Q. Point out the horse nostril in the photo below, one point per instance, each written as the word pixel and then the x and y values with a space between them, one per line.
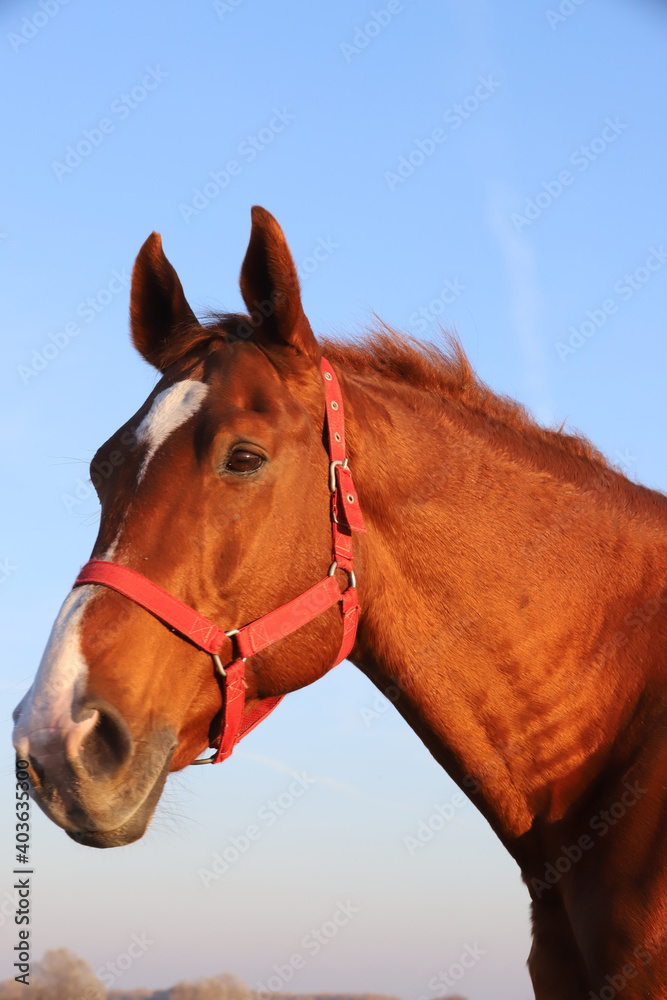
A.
pixel 108 745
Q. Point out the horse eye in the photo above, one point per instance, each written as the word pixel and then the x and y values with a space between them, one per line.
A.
pixel 244 461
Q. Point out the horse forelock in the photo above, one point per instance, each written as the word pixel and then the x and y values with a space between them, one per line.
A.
pixel 194 339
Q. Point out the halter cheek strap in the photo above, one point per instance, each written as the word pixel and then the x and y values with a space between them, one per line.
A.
pixel 346 517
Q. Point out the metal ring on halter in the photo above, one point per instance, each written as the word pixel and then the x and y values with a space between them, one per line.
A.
pixel 351 578
pixel 332 473
pixel 218 664
pixel 216 659
pixel 223 673
pixel 232 632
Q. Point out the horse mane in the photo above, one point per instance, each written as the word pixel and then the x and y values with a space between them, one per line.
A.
pixel 448 375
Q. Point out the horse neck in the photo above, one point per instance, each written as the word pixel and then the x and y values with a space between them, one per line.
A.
pixel 493 579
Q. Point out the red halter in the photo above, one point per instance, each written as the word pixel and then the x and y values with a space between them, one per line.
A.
pixel 345 518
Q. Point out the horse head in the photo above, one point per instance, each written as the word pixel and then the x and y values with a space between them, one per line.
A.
pixel 217 491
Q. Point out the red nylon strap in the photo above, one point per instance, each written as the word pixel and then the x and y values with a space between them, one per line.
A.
pixel 350 618
pixel 346 502
pixel 203 633
pixel 276 625
pixel 159 602
pixel 289 617
pixel 234 705
pixel 209 637
pixel 237 724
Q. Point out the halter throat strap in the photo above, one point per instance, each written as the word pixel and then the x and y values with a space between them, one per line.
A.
pixel 257 635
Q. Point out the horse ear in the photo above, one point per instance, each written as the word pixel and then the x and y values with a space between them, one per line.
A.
pixel 270 287
pixel 159 312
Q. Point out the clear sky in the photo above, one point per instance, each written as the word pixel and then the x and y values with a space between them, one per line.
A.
pixel 500 168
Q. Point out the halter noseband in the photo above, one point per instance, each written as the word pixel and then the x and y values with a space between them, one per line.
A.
pixel 257 635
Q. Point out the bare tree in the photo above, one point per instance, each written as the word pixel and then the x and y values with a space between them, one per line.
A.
pixel 59 976
pixel 63 976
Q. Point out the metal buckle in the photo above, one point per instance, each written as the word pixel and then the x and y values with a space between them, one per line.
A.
pixel 332 472
pixel 351 578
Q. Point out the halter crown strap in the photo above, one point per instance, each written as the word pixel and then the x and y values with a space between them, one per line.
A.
pixel 346 517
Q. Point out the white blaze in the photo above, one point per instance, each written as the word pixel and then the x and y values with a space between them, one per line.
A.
pixel 169 410
pixel 46 710
pixel 45 714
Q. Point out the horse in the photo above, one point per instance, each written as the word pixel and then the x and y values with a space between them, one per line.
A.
pixel 509 586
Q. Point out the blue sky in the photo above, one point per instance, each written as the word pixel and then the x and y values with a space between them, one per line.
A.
pixel 499 170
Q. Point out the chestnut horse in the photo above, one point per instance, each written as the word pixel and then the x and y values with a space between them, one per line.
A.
pixel 512 590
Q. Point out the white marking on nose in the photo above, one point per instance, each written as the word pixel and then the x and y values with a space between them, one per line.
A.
pixel 45 718
pixel 169 410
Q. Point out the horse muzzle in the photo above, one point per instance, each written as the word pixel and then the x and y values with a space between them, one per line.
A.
pixel 91 776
